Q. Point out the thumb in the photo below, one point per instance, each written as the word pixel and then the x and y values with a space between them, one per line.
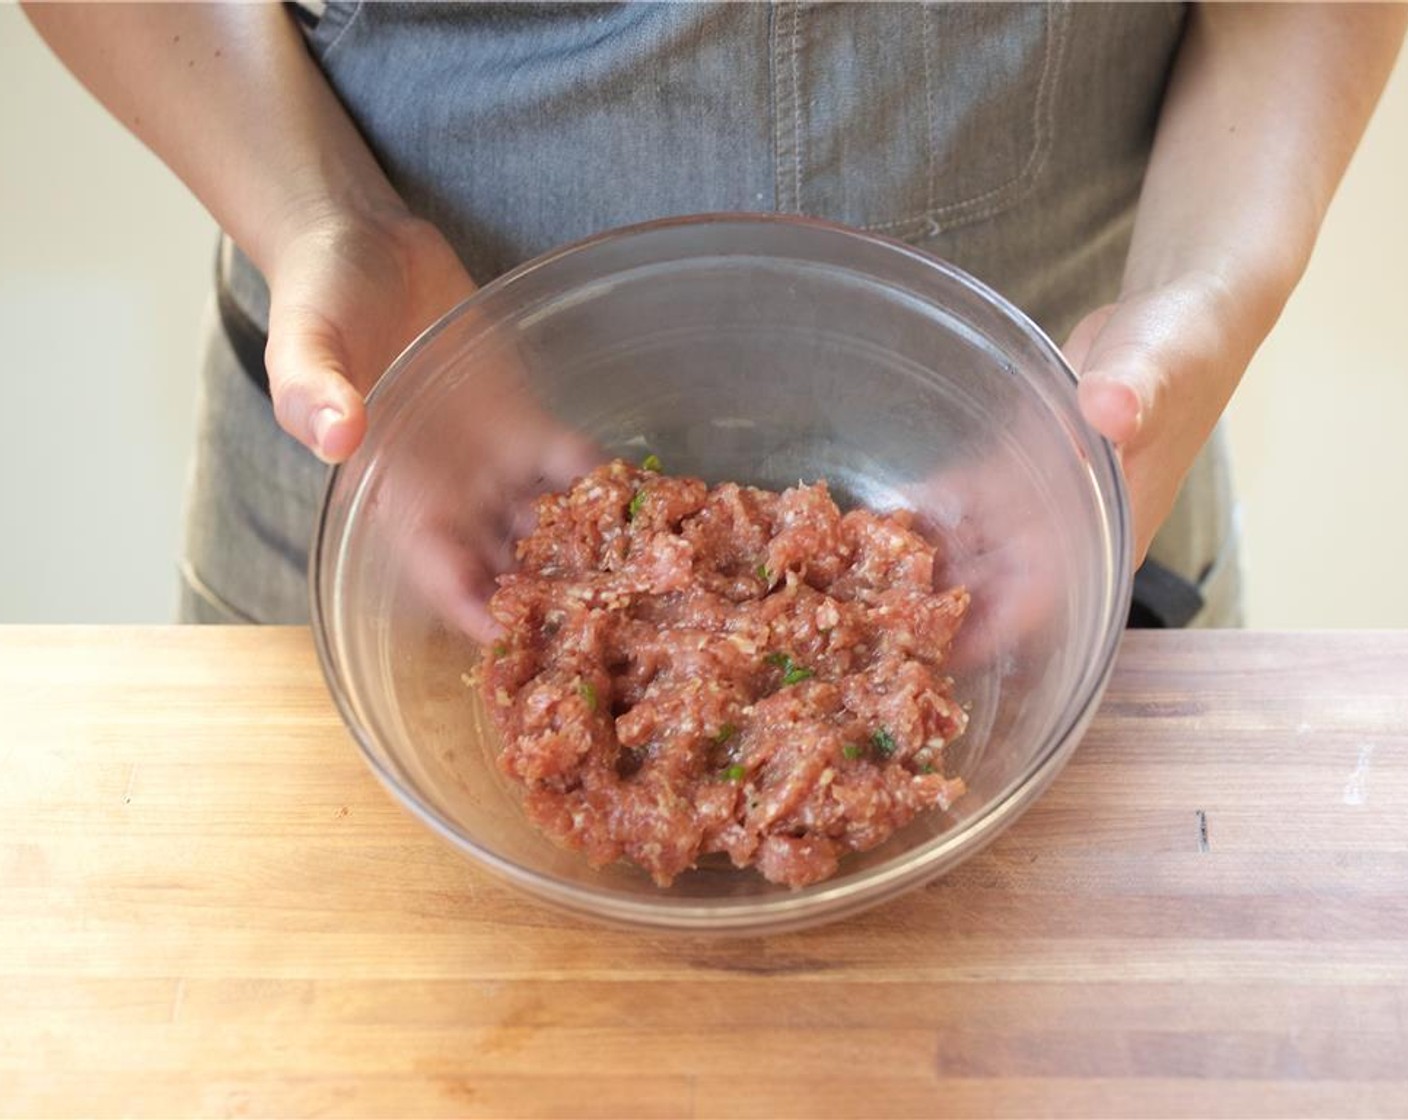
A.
pixel 1119 375
pixel 314 401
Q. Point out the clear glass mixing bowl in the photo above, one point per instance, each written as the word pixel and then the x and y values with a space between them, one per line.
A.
pixel 765 350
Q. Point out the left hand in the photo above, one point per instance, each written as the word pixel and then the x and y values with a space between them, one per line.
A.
pixel 1157 368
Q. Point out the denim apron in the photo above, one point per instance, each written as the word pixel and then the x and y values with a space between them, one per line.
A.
pixel 1008 139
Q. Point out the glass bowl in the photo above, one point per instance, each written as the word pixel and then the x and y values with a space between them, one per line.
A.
pixel 759 349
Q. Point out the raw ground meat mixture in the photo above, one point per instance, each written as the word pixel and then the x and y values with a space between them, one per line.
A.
pixel 691 670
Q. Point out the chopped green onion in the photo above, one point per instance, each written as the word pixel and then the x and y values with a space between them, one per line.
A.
pixel 796 674
pixel 588 693
pixel 927 768
pixel 735 773
pixel 792 672
pixel 884 742
pixel 763 573
pixel 851 751
pixel 651 463
pixel 726 732
pixel 636 503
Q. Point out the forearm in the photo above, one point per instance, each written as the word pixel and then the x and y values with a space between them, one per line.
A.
pixel 228 97
pixel 1266 105
pixel 1264 109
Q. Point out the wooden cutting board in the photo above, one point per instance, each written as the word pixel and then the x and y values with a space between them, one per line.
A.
pixel 208 907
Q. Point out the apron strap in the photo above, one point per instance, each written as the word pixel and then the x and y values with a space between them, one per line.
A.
pixel 1163 599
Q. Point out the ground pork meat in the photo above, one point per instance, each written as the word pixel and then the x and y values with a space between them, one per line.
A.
pixel 690 671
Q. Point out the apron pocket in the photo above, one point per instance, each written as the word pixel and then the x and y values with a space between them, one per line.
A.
pixel 911 119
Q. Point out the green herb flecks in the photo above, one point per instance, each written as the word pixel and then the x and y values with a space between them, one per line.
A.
pixel 651 463
pixel 852 751
pixel 792 672
pixel 636 503
pixel 499 649
pixel 764 573
pixel 587 691
pixel 884 743
pixel 726 732
pixel 735 773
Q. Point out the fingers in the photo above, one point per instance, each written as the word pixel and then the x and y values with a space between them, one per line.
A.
pixel 1111 406
pixel 1155 375
pixel 456 558
pixel 313 399
pixel 455 584
pixel 567 456
pixel 1078 345
pixel 1120 373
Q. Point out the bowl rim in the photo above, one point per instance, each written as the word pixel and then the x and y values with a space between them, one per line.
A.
pixel 830 899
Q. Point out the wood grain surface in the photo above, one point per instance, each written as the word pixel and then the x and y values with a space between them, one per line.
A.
pixel 208 907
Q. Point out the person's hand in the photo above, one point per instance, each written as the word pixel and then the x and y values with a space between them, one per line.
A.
pixel 462 490
pixel 346 295
pixel 1157 368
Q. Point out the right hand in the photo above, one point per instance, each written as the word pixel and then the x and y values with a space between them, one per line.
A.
pixel 229 97
pixel 346 295
pixel 461 491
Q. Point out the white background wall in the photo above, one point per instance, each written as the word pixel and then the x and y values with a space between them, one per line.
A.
pixel 105 263
pixel 1320 423
pixel 104 270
